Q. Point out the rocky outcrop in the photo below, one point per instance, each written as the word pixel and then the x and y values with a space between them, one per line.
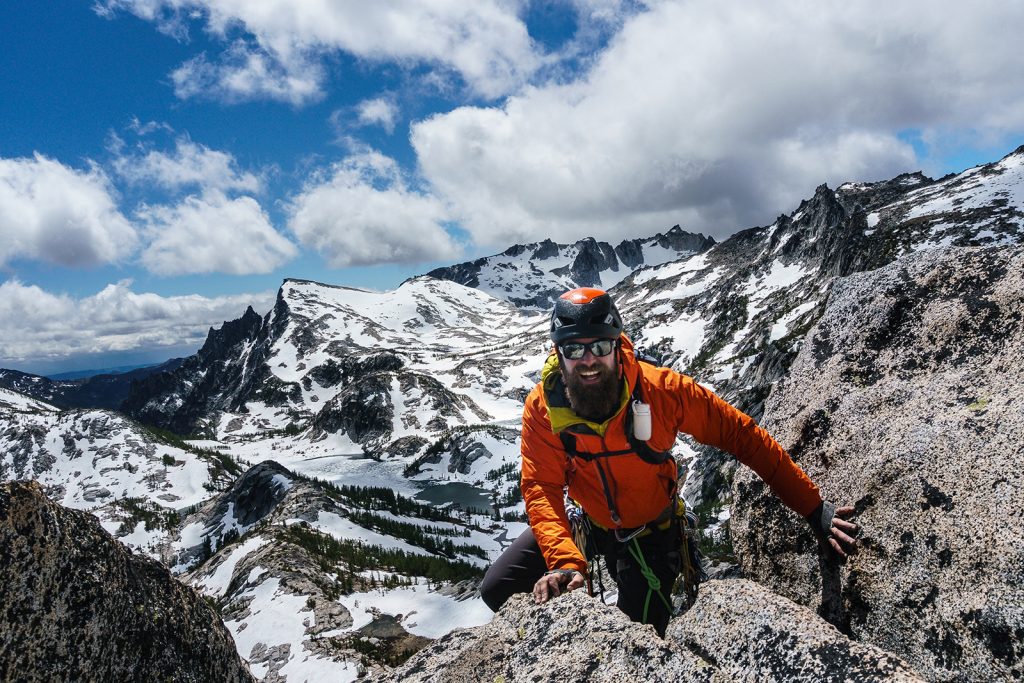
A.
pixel 77 605
pixel 572 638
pixel 905 401
pixel 736 631
pixel 254 495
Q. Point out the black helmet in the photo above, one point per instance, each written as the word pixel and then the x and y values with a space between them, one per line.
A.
pixel 585 312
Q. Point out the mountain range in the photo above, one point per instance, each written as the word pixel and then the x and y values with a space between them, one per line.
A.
pixel 335 475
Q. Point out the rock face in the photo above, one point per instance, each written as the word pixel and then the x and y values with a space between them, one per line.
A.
pixel 67 587
pixel 736 631
pixel 906 401
pixel 752 634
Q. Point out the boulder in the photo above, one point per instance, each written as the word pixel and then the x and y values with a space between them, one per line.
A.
pixel 79 606
pixel 906 400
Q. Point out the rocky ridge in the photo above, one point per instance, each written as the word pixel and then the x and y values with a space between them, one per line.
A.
pixel 736 631
pixel 216 378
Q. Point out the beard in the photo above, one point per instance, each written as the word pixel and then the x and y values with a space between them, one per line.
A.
pixel 594 402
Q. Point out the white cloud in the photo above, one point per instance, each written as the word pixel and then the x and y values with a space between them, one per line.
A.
pixel 363 213
pixel 40 325
pixel 719 116
pixel 190 164
pixel 150 127
pixel 50 212
pixel 380 111
pixel 484 41
pixel 247 73
pixel 212 234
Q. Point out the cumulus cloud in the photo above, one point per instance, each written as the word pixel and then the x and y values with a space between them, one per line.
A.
pixel 212 234
pixel 190 165
pixel 41 325
pixel 484 41
pixel 720 116
pixel 378 111
pixel 362 212
pixel 61 215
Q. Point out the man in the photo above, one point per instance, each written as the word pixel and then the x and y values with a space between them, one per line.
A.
pixel 580 433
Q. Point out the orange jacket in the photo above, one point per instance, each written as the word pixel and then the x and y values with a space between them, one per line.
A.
pixel 640 490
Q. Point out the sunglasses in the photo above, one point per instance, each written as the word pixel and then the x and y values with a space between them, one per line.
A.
pixel 576 350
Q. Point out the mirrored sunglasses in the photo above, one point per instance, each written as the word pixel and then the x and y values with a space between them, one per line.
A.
pixel 576 350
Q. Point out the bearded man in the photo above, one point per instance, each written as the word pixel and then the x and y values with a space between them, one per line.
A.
pixel 585 431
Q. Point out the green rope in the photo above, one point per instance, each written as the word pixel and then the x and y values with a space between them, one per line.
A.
pixel 653 582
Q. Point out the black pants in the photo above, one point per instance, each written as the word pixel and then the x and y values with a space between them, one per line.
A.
pixel 518 568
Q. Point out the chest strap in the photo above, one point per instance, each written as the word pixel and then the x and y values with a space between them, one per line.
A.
pixel 636 446
pixel 645 452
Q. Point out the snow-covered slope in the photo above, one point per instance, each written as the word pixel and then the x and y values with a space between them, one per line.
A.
pixel 12 402
pixel 305 573
pixel 99 461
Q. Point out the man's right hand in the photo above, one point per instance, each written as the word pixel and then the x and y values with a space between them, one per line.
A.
pixel 553 584
pixel 833 530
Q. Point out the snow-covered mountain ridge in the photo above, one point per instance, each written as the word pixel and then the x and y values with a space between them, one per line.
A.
pixel 533 275
pixel 94 391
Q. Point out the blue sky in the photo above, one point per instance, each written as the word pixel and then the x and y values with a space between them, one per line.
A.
pixel 164 163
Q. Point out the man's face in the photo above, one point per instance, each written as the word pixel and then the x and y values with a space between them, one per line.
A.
pixel 592 383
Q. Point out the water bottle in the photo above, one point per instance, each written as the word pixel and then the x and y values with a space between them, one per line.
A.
pixel 641 421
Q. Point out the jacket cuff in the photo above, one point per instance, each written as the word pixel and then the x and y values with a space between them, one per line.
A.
pixel 820 519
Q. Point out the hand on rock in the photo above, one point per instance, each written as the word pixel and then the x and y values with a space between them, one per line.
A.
pixel 832 528
pixel 553 584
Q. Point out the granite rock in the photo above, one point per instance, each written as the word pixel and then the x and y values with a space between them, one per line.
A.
pixel 906 401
